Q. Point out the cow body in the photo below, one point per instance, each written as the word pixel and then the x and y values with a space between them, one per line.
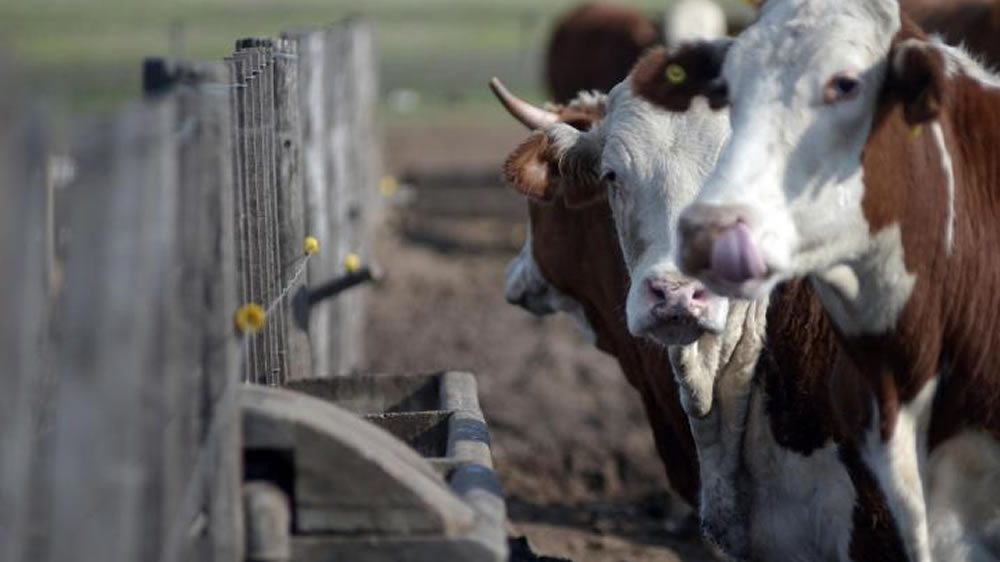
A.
pixel 593 47
pixel 864 157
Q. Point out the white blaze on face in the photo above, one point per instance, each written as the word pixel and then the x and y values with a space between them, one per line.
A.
pixel 803 83
pixel 653 163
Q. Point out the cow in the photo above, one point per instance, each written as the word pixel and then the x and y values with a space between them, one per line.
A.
pixel 752 375
pixel 594 46
pixel 863 157
pixel 563 267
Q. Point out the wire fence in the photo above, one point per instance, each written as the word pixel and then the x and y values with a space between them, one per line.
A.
pixel 148 267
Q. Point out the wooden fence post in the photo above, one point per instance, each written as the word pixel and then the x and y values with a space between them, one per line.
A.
pixel 338 92
pixel 290 187
pixel 107 460
pixel 24 339
pixel 312 75
pixel 203 444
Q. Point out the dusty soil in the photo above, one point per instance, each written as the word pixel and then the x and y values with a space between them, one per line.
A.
pixel 570 441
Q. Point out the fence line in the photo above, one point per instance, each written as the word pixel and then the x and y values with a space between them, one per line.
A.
pixel 119 420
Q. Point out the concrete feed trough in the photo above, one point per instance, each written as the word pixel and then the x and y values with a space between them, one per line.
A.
pixel 379 467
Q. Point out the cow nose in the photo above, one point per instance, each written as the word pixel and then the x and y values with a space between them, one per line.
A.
pixel 676 299
pixel 717 240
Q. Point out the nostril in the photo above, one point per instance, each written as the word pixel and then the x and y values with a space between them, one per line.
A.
pixel 700 295
pixel 656 291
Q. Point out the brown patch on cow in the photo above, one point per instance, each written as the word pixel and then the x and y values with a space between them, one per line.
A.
pixel 916 77
pixel 532 168
pixel 950 322
pixel 699 74
pixel 811 386
pixel 875 535
pixel 593 48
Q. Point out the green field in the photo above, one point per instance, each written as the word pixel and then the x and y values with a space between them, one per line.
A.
pixel 86 54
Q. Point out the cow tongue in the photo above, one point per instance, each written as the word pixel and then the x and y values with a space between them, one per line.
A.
pixel 735 257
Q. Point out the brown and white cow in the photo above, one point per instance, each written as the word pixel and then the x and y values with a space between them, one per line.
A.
pixel 776 485
pixel 865 156
pixel 571 263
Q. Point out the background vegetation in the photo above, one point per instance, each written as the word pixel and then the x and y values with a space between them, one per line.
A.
pixel 86 53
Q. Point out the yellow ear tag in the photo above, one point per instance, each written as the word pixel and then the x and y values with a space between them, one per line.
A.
pixel 250 318
pixel 915 132
pixel 311 246
pixel 352 263
pixel 676 73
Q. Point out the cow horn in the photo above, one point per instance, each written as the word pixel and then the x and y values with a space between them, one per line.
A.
pixel 532 117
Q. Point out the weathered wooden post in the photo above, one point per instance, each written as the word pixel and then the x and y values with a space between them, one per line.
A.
pixel 25 298
pixel 338 92
pixel 290 191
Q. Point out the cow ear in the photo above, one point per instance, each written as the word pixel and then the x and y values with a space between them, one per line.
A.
pixel 672 78
pixel 532 169
pixel 916 78
pixel 579 164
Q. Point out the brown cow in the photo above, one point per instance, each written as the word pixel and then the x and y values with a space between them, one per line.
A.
pixel 593 47
pixel 870 164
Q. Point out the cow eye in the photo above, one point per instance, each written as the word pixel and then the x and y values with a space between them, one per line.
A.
pixel 841 87
pixel 609 177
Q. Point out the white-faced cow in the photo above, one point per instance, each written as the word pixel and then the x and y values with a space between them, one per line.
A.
pixel 571 263
pixel 866 156
pixel 775 483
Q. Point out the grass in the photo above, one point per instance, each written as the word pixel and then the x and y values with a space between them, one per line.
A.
pixel 86 53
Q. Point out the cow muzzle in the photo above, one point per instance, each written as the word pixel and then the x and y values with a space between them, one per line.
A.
pixel 718 247
pixel 676 310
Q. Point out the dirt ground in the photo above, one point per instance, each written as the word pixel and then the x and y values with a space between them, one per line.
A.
pixel 570 441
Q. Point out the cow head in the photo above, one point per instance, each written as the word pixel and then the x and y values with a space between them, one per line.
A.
pixel 620 158
pixel 804 85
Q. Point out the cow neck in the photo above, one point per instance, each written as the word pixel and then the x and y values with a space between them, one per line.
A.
pixel 586 264
pixel 950 325
pixel 718 367
pixel 813 393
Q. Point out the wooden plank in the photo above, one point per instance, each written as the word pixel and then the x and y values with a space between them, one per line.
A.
pixel 107 455
pixel 337 89
pixel 290 193
pixel 202 460
pixel 220 362
pixel 353 173
pixel 312 72
pixel 24 293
